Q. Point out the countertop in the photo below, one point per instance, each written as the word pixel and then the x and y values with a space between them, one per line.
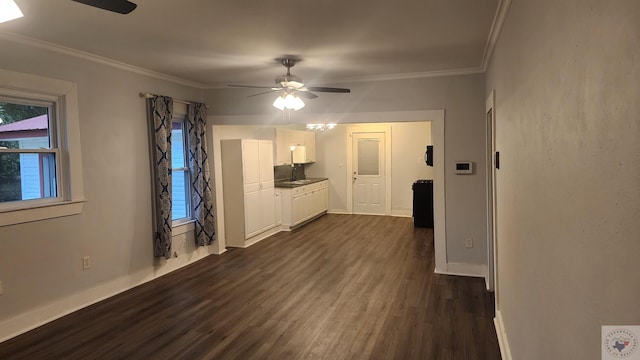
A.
pixel 297 183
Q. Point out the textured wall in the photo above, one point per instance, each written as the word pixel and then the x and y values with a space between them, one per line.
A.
pixel 566 77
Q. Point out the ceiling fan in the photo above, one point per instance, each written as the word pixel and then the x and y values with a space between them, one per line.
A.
pixel 118 6
pixel 292 85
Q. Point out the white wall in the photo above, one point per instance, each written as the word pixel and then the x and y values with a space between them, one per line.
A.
pixel 566 77
pixel 41 262
pixel 462 99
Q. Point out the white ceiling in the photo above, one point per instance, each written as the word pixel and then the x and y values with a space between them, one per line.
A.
pixel 215 42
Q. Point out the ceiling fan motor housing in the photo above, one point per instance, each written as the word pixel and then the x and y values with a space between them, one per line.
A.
pixel 287 78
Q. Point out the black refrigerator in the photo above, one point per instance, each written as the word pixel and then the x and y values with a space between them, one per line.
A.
pixel 423 203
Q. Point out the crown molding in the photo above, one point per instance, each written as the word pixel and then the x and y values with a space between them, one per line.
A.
pixel 95 58
pixel 494 34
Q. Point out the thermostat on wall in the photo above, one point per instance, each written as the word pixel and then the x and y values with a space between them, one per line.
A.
pixel 464 167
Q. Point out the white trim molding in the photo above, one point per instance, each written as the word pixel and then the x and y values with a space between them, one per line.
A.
pixel 95 58
pixel 463 269
pixel 503 342
pixel 494 33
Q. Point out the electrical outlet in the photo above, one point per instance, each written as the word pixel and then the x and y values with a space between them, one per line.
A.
pixel 86 263
pixel 468 242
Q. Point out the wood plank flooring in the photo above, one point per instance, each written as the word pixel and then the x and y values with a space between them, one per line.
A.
pixel 341 287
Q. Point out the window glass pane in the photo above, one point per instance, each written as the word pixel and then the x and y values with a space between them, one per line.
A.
pixel 177 145
pixel 368 157
pixel 27 176
pixel 24 126
pixel 180 194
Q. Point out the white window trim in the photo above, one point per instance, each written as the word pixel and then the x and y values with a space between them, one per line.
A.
pixel 66 94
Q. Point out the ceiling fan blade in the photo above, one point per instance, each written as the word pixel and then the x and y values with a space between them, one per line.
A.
pixel 255 87
pixel 118 6
pixel 328 89
pixel 306 94
pixel 262 93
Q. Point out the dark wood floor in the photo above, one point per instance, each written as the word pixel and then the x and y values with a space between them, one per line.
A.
pixel 341 287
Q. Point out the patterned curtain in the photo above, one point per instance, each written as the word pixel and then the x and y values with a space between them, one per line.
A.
pixel 201 198
pixel 161 109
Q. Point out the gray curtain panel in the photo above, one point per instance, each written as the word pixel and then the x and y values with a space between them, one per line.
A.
pixel 201 196
pixel 160 110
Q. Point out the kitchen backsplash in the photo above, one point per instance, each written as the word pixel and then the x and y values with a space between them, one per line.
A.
pixel 286 172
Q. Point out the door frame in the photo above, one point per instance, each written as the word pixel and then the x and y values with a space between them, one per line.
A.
pixel 217 131
pixel 492 238
pixel 363 129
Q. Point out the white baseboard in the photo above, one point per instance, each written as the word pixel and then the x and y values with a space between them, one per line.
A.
pixel 462 269
pixel 339 212
pixel 505 350
pixel 261 236
pixel 402 212
pixel 32 319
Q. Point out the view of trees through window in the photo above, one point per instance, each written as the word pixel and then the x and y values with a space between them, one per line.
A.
pixel 11 182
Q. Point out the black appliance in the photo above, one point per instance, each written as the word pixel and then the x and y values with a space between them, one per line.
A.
pixel 428 155
pixel 423 203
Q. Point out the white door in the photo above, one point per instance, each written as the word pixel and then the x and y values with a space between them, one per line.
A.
pixel 368 173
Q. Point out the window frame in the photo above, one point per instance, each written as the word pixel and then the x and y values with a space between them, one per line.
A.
pixel 183 170
pixel 66 134
pixel 52 135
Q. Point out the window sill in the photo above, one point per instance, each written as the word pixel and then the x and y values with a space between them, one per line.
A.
pixel 179 228
pixel 49 211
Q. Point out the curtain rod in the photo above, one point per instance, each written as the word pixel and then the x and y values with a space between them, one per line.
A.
pixel 149 96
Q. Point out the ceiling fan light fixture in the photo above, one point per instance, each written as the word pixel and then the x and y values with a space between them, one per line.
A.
pixel 288 101
pixel 279 103
pixel 321 126
pixel 9 10
pixel 297 103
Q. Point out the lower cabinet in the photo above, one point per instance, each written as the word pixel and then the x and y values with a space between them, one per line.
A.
pixel 303 203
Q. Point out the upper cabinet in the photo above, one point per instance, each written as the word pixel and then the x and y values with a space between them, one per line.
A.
pixel 310 144
pixel 283 139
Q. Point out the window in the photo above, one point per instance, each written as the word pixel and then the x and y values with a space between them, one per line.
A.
pixel 180 182
pixel 29 159
pixel 40 162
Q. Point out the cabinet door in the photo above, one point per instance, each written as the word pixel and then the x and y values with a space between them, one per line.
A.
pixel 298 212
pixel 278 208
pixel 251 164
pixel 265 160
pixel 296 137
pixel 253 222
pixel 282 148
pixel 310 145
pixel 267 209
pixel 325 199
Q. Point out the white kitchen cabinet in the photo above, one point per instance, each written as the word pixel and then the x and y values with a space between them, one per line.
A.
pixel 303 203
pixel 249 197
pixel 310 144
pixel 283 139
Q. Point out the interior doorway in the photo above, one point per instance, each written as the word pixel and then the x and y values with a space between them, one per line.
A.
pixel 368 159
